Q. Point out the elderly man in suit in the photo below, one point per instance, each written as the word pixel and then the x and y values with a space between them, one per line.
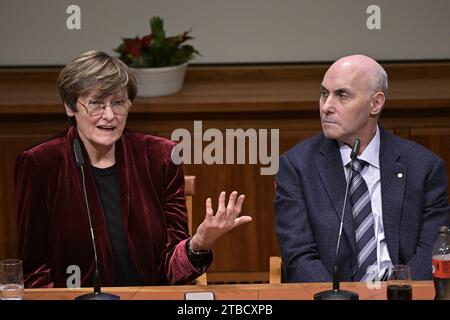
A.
pixel 397 195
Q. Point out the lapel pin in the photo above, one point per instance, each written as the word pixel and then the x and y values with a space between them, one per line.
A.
pixel 400 175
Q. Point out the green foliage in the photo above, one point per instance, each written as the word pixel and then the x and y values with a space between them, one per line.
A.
pixel 155 49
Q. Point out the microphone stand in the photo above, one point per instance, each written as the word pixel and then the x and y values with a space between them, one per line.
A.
pixel 336 293
pixel 97 294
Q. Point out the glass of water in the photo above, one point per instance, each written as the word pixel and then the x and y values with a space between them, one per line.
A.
pixel 11 279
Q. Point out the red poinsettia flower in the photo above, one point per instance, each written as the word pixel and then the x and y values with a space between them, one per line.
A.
pixel 133 47
pixel 146 40
pixel 155 49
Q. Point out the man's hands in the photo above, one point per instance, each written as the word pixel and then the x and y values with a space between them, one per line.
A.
pixel 216 225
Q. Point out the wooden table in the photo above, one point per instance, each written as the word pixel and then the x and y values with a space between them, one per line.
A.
pixel 422 290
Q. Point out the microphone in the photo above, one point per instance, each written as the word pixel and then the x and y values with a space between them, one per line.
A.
pixel 97 294
pixel 336 293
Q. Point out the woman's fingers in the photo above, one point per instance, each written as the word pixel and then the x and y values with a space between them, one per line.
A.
pixel 209 209
pixel 232 201
pixel 225 219
pixel 221 209
pixel 239 203
pixel 241 220
pixel 227 213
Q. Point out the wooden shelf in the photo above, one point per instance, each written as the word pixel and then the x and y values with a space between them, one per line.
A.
pixel 237 90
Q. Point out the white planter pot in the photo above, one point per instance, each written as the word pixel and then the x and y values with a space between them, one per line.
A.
pixel 155 82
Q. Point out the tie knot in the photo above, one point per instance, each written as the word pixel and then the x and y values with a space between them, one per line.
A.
pixel 358 165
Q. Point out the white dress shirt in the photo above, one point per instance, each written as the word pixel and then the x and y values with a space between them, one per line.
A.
pixel 371 175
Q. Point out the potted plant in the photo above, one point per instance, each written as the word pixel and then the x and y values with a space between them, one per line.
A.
pixel 158 62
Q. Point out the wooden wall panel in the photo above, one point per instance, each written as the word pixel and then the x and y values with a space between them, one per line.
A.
pixel 284 98
pixel 435 139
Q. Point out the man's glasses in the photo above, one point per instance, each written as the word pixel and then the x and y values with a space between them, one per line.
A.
pixel 119 107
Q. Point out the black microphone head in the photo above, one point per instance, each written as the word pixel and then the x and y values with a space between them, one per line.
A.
pixel 78 153
pixel 355 149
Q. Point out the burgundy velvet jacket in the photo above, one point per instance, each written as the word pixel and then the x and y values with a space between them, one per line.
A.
pixel 53 226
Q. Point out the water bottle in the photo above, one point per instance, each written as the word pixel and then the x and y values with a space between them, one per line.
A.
pixel 441 264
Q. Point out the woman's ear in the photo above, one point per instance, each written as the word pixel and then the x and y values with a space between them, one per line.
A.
pixel 378 101
pixel 69 112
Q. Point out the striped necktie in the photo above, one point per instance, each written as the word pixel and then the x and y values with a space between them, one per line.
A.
pixel 364 223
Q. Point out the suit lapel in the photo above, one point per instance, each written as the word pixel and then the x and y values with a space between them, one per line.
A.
pixel 393 177
pixel 329 166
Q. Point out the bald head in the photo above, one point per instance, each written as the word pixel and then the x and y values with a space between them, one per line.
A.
pixel 366 69
pixel 352 96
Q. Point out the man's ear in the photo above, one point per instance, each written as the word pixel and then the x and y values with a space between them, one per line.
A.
pixel 377 105
pixel 69 111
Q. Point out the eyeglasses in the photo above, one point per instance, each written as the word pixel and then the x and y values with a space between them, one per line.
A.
pixel 119 107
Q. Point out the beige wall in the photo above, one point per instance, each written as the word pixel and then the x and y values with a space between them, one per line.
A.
pixel 33 32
